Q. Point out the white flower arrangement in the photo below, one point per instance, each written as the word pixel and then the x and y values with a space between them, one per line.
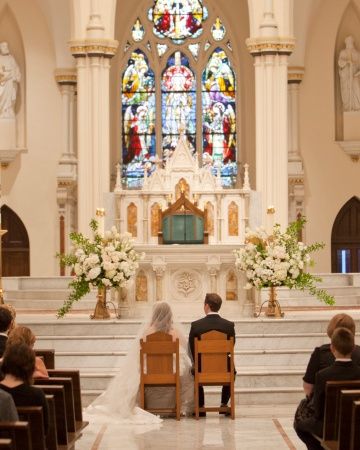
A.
pixel 109 261
pixel 278 259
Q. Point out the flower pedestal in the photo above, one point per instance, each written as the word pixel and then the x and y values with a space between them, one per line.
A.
pixel 101 310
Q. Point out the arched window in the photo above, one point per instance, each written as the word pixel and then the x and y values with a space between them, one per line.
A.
pixel 178 58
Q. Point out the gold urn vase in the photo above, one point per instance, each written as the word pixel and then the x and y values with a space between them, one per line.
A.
pixel 101 311
pixel 273 308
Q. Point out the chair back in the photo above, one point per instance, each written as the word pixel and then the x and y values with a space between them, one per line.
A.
pixel 214 349
pixel 355 429
pixel 157 354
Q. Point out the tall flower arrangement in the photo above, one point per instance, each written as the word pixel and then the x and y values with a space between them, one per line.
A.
pixel 103 261
pixel 278 259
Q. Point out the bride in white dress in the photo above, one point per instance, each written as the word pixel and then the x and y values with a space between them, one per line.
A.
pixel 118 404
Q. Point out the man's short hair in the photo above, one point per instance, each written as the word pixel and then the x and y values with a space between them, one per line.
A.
pixel 214 301
pixel 5 319
pixel 343 341
pixel 341 320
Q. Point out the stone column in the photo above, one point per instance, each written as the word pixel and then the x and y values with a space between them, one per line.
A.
pixel 67 168
pixel 93 54
pixel 271 52
pixel 295 164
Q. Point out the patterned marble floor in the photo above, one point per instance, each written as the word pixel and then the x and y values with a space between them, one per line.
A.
pixel 255 428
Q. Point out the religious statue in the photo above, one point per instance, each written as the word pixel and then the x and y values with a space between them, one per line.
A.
pixel 349 72
pixel 9 78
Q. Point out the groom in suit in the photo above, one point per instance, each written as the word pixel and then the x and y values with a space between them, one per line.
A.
pixel 212 321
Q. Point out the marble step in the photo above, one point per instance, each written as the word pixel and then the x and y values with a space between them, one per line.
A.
pixel 124 342
pixel 285 293
pixel 50 326
pixel 261 358
pixel 247 377
pixel 243 396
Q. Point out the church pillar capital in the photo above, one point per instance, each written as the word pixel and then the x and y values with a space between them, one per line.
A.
pixel 159 270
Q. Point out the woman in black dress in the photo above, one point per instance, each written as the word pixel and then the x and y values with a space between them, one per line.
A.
pixel 18 368
pixel 322 356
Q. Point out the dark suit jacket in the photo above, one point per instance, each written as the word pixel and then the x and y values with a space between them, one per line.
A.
pixel 3 340
pixel 210 322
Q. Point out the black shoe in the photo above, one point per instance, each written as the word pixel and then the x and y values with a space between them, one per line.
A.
pixel 201 414
pixel 226 413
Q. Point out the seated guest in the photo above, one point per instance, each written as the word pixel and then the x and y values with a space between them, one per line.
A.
pixel 342 346
pixel 26 336
pixel 322 356
pixel 7 408
pixel 18 367
pixel 212 321
pixel 5 325
pixel 13 315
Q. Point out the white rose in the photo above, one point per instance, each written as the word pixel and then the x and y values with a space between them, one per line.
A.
pixel 110 274
pixel 94 273
pixel 78 269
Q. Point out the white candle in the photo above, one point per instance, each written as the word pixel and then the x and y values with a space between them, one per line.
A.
pixel 100 217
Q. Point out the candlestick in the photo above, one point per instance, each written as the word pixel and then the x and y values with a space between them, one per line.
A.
pixel 100 217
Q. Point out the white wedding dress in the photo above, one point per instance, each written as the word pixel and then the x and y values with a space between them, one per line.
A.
pixel 118 404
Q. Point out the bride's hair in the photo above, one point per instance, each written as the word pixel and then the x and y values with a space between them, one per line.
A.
pixel 162 317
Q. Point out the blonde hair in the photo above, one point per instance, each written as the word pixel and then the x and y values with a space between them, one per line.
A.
pixel 21 334
pixel 341 320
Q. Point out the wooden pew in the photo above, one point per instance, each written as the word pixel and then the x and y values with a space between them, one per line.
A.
pixel 18 432
pixel 58 393
pixel 34 416
pixel 51 437
pixel 7 444
pixel 69 397
pixel 332 406
pixel 344 426
pixel 355 426
pixel 48 356
pixel 75 376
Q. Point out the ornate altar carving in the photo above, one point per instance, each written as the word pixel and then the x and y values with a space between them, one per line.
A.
pixel 132 219
pixel 155 219
pixel 233 219
pixel 141 287
pixel 209 207
pixel 231 286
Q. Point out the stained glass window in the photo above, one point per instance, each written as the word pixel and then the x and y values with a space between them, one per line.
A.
pixel 218 30
pixel 177 19
pixel 161 48
pixel 138 119
pixel 138 31
pixel 219 119
pixel 194 49
pixel 178 103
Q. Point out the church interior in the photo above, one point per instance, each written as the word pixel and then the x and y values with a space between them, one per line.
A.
pixel 184 123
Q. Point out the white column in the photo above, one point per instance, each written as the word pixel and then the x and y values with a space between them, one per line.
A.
pixel 295 164
pixel 271 53
pixel 67 168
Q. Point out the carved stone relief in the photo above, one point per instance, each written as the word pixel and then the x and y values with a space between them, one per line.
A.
pixel 233 219
pixel 210 218
pixel 187 284
pixel 132 219
pixel 141 287
pixel 155 224
pixel 182 186
pixel 231 286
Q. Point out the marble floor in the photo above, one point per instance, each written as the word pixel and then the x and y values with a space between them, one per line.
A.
pixel 255 428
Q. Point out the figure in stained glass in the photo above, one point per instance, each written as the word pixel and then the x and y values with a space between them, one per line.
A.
pixel 138 113
pixel 178 103
pixel 177 19
pixel 219 117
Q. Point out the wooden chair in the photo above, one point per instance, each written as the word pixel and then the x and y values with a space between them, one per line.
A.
pixel 18 433
pixel 214 366
pixel 355 426
pixel 48 356
pixel 157 368
pixel 34 416
pixel 7 444
pixel 332 406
